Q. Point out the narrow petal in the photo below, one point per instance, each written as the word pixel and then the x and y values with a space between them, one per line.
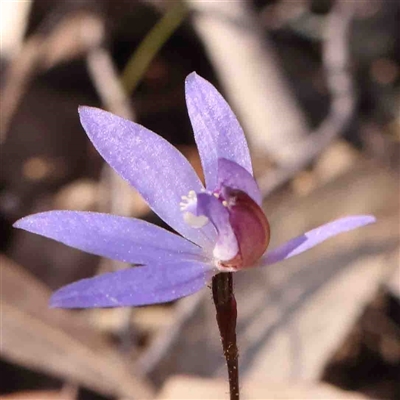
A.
pixel 119 238
pixel 234 176
pixel 217 131
pixel 134 286
pixel 316 236
pixel 154 167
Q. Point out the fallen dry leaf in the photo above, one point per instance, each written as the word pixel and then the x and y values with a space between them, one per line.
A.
pixel 59 342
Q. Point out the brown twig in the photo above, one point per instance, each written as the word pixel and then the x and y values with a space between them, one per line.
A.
pixel 18 77
pixel 106 80
pixel 39 52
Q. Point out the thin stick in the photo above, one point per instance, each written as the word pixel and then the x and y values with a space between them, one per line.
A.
pixel 151 44
pixel 225 305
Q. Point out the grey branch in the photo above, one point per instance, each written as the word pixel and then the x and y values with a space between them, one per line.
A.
pixel 340 84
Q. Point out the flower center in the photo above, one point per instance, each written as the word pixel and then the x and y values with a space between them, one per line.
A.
pixel 242 228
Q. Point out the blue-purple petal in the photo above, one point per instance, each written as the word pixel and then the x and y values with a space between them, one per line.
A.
pixel 153 166
pixel 216 129
pixel 234 176
pixel 314 237
pixel 134 286
pixel 119 238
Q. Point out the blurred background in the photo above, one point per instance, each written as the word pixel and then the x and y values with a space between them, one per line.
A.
pixel 315 84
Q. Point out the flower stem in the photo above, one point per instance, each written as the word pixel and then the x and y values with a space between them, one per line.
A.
pixel 225 305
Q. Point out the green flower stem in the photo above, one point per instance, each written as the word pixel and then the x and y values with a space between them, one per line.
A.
pixel 151 44
pixel 225 305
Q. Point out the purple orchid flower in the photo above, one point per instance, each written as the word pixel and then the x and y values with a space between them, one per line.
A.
pixel 222 226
